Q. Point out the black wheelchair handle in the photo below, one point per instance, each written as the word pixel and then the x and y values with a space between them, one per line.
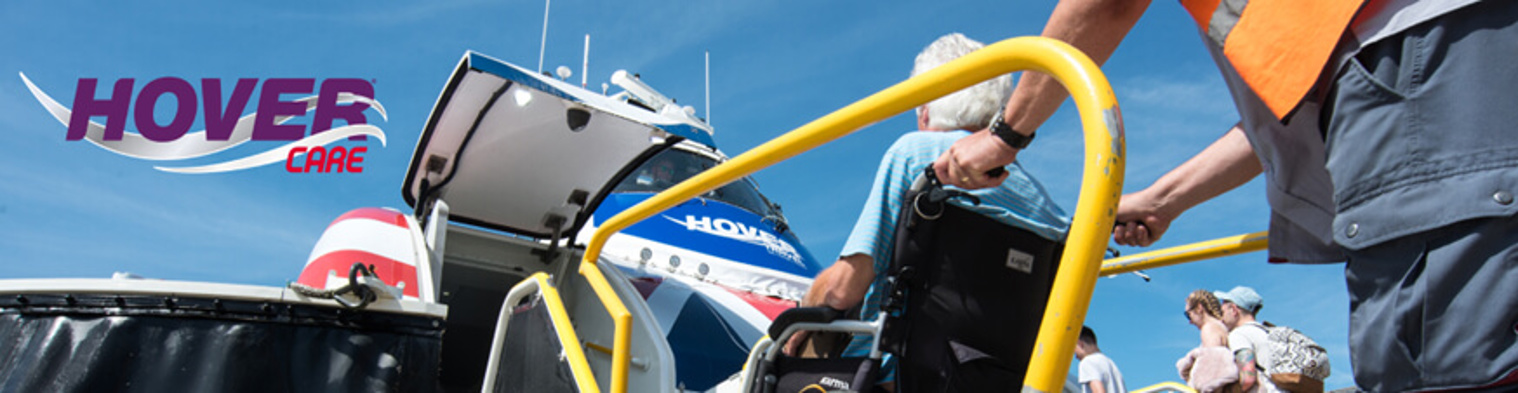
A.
pixel 796 315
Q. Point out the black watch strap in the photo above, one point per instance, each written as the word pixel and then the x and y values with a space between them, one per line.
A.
pixel 1008 135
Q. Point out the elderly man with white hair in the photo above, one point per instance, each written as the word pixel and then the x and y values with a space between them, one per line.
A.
pixel 857 278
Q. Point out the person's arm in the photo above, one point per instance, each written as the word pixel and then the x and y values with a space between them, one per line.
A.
pixel 1248 376
pixel 1096 387
pixel 1144 216
pixel 1095 27
pixel 841 286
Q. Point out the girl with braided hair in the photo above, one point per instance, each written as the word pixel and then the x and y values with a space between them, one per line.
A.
pixel 1204 311
pixel 1209 367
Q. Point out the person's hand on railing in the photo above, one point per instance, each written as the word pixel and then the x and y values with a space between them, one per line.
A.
pixel 1140 221
pixel 1226 164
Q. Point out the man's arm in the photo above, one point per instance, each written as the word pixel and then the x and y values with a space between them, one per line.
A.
pixel 1144 216
pixel 1092 26
pixel 1096 387
pixel 1248 376
pixel 841 286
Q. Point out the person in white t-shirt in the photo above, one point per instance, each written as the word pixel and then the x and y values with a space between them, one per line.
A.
pixel 1098 374
pixel 1246 337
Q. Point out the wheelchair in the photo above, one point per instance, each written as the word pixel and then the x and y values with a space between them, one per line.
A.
pixel 965 298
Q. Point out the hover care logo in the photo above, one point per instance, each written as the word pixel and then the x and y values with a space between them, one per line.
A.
pixel 335 99
pixel 726 228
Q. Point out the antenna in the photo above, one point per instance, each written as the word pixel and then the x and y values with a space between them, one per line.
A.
pixel 708 87
pixel 585 64
pixel 544 45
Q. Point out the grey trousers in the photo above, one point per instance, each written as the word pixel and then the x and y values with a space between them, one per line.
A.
pixel 1423 150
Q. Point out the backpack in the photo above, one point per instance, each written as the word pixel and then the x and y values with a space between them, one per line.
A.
pixel 1298 364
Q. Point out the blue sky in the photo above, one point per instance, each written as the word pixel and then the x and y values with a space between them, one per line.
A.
pixel 70 209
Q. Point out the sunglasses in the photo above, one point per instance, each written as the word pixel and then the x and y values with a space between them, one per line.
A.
pixel 1187 314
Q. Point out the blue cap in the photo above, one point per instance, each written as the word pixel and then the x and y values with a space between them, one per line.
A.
pixel 1244 297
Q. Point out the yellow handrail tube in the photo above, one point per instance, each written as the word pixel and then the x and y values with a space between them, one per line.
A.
pixel 1095 210
pixel 1094 213
pixel 621 354
pixel 1215 248
pixel 574 354
pixel 1165 387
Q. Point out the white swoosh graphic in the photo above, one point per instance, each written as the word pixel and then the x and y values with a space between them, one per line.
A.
pixel 281 153
pixel 192 144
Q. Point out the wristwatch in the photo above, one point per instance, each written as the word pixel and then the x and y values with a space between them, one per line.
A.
pixel 1008 135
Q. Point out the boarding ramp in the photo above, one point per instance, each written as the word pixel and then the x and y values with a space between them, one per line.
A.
pixel 536 347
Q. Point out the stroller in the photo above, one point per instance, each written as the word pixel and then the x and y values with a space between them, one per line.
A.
pixel 966 296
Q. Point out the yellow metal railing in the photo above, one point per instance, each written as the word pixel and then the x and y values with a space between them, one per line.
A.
pixel 1100 187
pixel 621 346
pixel 1186 253
pixel 1165 387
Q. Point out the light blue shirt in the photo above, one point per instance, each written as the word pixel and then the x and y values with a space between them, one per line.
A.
pixel 1020 201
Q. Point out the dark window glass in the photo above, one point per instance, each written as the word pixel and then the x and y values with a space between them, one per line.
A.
pixel 673 166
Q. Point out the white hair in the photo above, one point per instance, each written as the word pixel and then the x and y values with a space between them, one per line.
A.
pixel 968 109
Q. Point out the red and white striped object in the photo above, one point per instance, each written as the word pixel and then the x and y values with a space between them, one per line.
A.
pixel 387 240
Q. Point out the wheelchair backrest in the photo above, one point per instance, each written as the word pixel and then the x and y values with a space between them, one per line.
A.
pixel 968 294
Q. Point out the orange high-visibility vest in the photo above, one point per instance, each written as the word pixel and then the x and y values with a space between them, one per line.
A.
pixel 1277 46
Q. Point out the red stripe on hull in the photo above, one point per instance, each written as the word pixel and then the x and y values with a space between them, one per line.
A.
pixel 769 306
